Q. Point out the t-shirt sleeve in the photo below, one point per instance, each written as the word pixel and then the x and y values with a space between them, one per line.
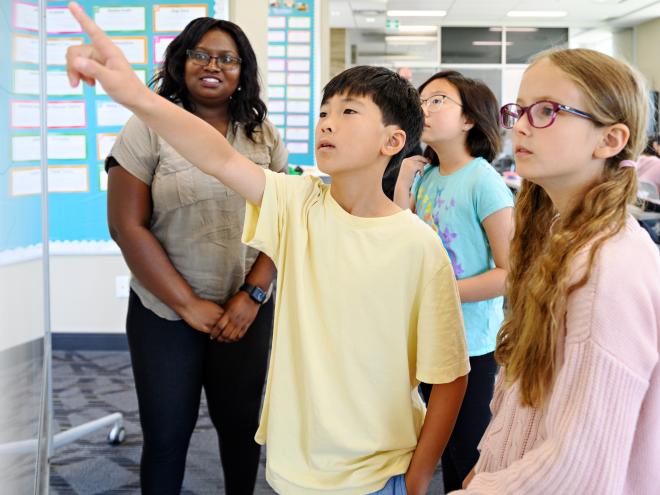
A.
pixel 136 150
pixel 441 347
pixel 491 195
pixel 281 215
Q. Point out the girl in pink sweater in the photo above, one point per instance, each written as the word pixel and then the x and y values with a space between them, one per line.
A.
pixel 577 403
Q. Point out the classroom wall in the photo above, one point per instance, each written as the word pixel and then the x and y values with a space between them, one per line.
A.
pixel 624 44
pixel 324 31
pixel 252 17
pixel 21 303
pixel 638 46
pixel 647 41
pixel 83 299
pixel 83 295
pixel 338 60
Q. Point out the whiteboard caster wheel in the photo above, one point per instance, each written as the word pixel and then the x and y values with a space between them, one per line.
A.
pixel 116 435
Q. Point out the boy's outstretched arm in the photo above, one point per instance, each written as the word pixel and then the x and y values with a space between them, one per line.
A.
pixel 191 137
pixel 444 404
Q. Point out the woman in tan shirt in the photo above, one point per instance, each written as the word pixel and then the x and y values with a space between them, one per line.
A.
pixel 199 315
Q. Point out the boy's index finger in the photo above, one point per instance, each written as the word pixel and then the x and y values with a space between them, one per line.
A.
pixel 96 35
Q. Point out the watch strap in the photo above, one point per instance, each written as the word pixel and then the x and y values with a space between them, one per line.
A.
pixel 252 291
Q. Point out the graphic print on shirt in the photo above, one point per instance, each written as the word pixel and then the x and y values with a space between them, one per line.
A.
pixel 432 214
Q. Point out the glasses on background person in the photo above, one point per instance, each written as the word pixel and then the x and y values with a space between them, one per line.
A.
pixel 225 62
pixel 435 102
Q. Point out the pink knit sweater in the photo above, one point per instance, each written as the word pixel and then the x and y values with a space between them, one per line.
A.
pixel 599 430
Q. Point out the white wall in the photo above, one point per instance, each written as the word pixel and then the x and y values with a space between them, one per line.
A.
pixel 647 44
pixel 252 17
pixel 324 38
pixel 21 303
pixel 82 293
pixel 624 46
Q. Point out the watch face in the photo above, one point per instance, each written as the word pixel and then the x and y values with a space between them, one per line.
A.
pixel 258 295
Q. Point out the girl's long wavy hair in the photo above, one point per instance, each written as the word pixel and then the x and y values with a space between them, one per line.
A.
pixel 245 106
pixel 540 269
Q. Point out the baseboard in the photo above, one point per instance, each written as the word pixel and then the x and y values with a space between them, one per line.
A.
pixel 89 341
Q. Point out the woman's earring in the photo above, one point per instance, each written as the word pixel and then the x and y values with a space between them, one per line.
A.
pixel 237 90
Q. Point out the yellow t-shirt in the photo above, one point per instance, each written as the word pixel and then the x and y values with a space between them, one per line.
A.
pixel 365 309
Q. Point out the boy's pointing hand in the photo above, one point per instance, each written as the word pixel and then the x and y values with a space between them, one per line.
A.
pixel 101 61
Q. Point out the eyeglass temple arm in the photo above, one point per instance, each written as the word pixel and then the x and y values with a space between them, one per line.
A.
pixel 575 111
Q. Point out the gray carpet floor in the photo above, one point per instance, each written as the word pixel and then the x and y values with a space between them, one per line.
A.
pixel 90 384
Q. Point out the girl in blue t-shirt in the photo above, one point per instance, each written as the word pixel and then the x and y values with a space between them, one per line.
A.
pixel 461 196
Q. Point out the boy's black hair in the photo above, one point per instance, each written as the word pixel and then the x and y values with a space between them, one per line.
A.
pixel 480 106
pixel 245 106
pixel 396 98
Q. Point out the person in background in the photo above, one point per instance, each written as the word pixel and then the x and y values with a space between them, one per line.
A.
pixel 391 174
pixel 577 400
pixel 392 171
pixel 199 316
pixel 469 207
pixel 655 143
pixel 648 165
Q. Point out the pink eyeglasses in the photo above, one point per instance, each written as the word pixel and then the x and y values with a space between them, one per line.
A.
pixel 540 114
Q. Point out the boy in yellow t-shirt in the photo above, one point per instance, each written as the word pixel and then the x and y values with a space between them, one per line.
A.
pixel 367 303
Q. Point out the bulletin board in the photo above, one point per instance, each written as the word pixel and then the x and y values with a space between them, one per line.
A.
pixel 83 122
pixel 292 74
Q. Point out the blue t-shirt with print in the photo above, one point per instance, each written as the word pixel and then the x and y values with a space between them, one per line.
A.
pixel 455 206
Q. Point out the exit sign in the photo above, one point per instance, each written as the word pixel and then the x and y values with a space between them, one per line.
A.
pixel 392 23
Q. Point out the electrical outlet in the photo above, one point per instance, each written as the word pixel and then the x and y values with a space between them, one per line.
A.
pixel 122 284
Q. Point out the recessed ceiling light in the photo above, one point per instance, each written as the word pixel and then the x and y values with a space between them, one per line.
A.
pixel 408 43
pixel 369 19
pixel 537 13
pixel 491 43
pixel 416 13
pixel 407 39
pixel 513 30
pixel 417 29
pixel 335 13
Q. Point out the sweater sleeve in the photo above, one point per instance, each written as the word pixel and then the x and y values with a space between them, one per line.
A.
pixel 591 416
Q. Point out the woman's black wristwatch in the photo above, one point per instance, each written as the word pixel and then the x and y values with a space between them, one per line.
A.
pixel 257 294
